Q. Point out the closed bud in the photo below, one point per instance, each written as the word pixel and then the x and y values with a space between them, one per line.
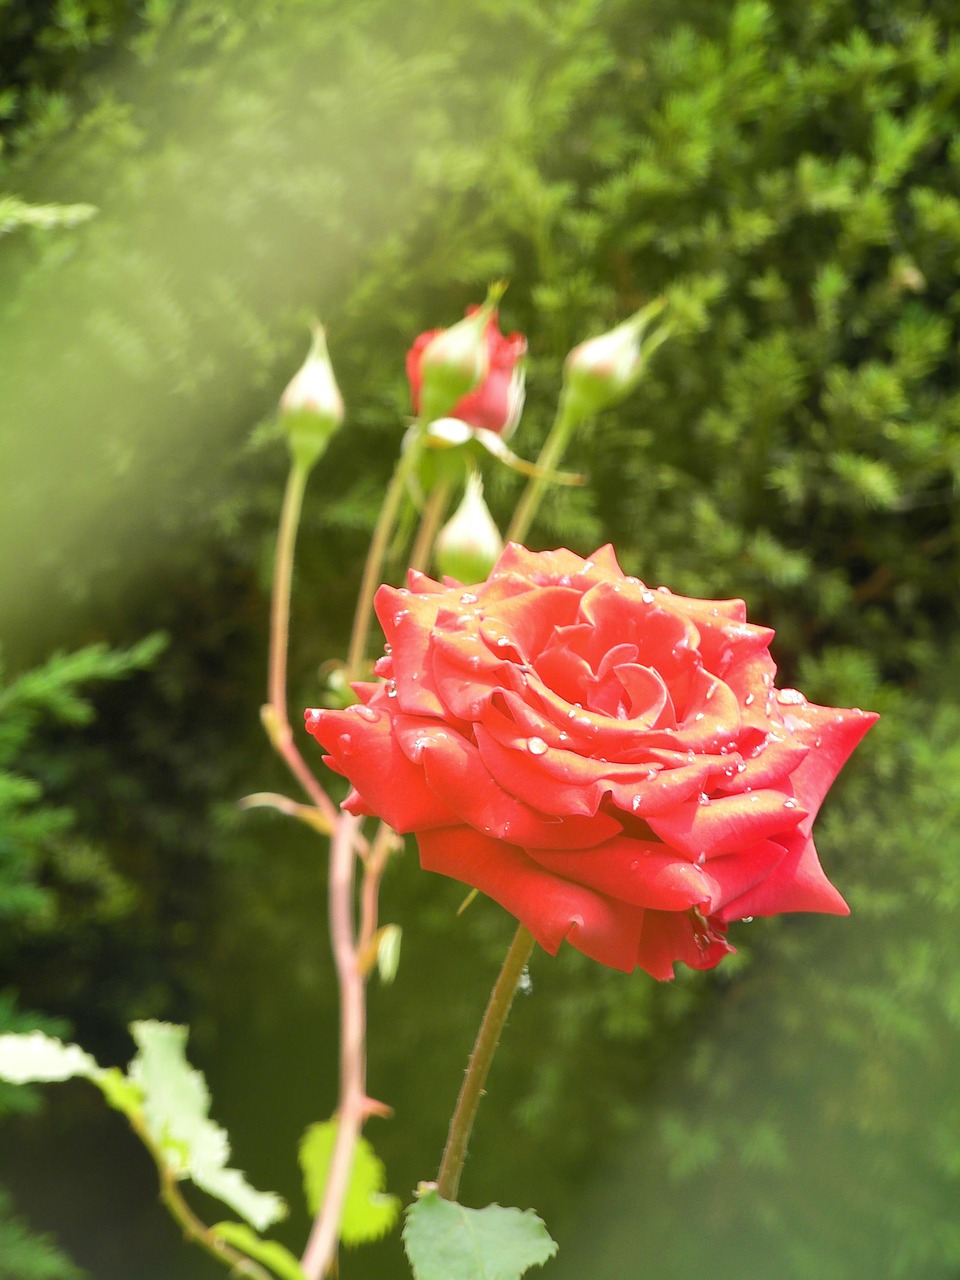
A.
pixel 469 544
pixel 311 408
pixel 445 365
pixel 603 371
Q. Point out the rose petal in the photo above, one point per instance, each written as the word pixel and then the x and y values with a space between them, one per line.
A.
pixel 643 872
pixel 455 771
pixel 670 936
pixel 726 824
pixel 552 909
pixel 368 753
pixel 797 883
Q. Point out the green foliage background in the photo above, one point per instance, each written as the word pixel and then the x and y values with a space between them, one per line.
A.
pixel 787 174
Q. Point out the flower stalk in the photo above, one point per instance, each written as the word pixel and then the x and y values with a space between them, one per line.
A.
pixel 274 713
pixel 488 1037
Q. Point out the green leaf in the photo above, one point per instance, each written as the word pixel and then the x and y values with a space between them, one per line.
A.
pixel 175 1107
pixel 35 1058
pixel 445 1241
pixel 368 1214
pixel 280 1260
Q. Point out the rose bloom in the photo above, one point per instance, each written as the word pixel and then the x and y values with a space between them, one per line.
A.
pixel 496 403
pixel 612 764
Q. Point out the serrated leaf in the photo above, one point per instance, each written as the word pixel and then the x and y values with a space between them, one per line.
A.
pixel 273 1255
pixel 176 1103
pixel 445 1241
pixel 35 1058
pixel 368 1213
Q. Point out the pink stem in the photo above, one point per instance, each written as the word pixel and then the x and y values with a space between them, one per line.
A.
pixel 354 1106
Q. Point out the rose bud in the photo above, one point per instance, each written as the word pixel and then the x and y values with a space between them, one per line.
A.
pixel 468 545
pixel 603 371
pixel 614 765
pixel 311 408
pixel 483 383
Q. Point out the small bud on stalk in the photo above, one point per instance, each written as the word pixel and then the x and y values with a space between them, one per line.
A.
pixel 469 544
pixel 603 371
pixel 311 408
pixel 471 371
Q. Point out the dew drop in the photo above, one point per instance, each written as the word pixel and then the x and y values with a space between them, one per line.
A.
pixel 789 804
pixel 388 649
pixel 703 798
pixel 790 697
pixel 536 746
pixel 392 689
pixel 699 716
pixel 468 598
pixel 817 741
pixel 647 597
pixel 502 642
pixel 748 700
pixel 741 767
pixel 712 690
pixel 346 743
pixel 746 920
pixel 365 713
pixel 524 982
pixel 636 802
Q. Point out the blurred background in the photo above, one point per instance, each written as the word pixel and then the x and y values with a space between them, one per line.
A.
pixel 183 183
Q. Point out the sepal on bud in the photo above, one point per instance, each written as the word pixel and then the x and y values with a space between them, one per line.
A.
pixel 311 408
pixel 469 544
pixel 602 371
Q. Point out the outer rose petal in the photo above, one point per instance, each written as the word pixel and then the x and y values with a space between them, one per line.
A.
pixel 368 753
pixel 551 908
pixel 669 936
pixel 641 872
pixel 797 883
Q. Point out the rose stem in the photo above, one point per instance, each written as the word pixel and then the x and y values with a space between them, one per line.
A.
pixel 275 716
pixel 488 1037
pixel 553 450
pixel 433 513
pixel 375 556
pixel 354 1106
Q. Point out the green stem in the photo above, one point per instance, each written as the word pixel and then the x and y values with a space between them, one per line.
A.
pixel 553 450
pixel 488 1037
pixel 433 513
pixel 375 557
pixel 275 718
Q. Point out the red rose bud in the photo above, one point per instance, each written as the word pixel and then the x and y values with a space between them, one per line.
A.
pixel 603 371
pixel 472 372
pixel 311 408
pixel 614 765
pixel 469 543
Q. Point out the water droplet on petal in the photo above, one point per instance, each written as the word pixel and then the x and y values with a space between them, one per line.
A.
pixel 789 804
pixel 746 920
pixel 647 597
pixel 365 713
pixel 699 716
pixel 346 743
pixel 817 741
pixel 790 697
pixel 703 798
pixel 536 746
pixel 502 642
pixel 388 649
pixel 392 689
pixel 636 802
pixel 712 690
pixel 748 700
pixel 468 598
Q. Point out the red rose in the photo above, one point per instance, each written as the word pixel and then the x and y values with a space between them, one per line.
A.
pixel 496 403
pixel 612 764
